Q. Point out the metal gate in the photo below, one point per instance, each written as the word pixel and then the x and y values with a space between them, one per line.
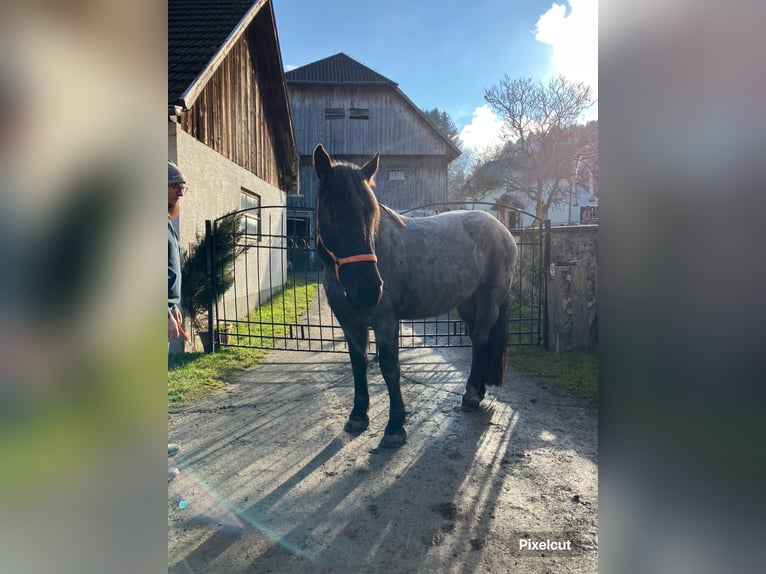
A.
pixel 276 300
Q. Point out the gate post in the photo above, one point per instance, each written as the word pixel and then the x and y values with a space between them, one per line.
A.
pixel 209 254
pixel 546 268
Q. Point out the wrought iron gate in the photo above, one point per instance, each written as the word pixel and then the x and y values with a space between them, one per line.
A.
pixel 276 300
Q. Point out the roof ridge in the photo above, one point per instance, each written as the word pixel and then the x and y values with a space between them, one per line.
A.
pixel 339 68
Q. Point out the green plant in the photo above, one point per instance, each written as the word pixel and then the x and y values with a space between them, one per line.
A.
pixel 196 292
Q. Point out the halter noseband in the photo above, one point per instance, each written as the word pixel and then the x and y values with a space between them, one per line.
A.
pixel 338 261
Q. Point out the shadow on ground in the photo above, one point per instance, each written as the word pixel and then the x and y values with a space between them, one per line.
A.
pixel 271 482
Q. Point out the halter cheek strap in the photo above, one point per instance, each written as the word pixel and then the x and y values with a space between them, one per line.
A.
pixel 338 261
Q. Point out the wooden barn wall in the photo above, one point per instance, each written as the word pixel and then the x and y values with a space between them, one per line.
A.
pixel 231 114
pixel 393 127
pixel 404 139
pixel 425 181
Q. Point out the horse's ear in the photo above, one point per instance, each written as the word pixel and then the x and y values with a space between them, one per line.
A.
pixel 371 167
pixel 322 162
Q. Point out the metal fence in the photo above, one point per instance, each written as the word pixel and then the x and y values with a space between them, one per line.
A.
pixel 276 300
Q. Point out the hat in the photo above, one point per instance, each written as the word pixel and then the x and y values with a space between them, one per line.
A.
pixel 174 174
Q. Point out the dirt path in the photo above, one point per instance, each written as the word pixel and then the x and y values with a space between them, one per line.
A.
pixel 273 484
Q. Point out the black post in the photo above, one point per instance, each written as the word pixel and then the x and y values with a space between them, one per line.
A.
pixel 209 254
pixel 546 269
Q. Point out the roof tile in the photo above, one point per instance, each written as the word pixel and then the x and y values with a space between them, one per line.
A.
pixel 337 69
pixel 196 31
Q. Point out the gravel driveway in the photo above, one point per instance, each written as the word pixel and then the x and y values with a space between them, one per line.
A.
pixel 270 482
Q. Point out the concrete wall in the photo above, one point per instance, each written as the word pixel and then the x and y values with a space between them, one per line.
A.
pixel 215 185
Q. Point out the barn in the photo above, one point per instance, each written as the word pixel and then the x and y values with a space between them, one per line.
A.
pixel 354 112
pixel 229 126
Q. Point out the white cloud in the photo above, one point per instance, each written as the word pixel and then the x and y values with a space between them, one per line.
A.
pixel 483 132
pixel 574 38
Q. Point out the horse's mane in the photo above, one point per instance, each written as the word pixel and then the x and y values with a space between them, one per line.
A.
pixel 393 215
pixel 359 195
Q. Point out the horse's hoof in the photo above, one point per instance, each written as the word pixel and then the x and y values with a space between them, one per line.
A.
pixel 355 426
pixel 470 404
pixel 393 440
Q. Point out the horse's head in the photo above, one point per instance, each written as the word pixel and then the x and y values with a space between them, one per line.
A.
pixel 347 221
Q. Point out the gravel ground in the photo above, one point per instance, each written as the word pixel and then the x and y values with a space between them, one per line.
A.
pixel 270 482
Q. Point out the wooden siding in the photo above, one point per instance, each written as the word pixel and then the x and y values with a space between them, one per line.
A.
pixel 405 140
pixel 425 181
pixel 231 114
pixel 393 127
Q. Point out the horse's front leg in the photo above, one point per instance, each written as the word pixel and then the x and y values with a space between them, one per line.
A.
pixel 358 420
pixel 388 354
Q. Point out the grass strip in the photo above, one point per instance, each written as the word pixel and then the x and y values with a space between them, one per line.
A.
pixel 192 375
pixel 574 371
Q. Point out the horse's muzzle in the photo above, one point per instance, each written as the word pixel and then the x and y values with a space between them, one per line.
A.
pixel 365 294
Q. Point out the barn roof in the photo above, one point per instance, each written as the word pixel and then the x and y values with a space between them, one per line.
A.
pixel 337 69
pixel 200 35
pixel 341 69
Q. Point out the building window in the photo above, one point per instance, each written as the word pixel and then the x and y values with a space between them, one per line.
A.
pixel 395 175
pixel 359 113
pixel 589 214
pixel 251 220
pixel 334 113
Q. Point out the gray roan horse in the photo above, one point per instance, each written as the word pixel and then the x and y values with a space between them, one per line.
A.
pixel 381 267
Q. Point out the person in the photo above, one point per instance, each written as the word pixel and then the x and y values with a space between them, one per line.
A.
pixel 176 189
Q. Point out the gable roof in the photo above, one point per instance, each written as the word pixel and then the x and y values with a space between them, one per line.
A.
pixel 196 32
pixel 341 69
pixel 202 33
pixel 337 69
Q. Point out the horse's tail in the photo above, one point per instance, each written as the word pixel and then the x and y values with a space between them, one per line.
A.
pixel 497 348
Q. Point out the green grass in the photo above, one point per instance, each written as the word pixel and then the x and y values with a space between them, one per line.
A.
pixel 191 375
pixel 270 318
pixel 574 371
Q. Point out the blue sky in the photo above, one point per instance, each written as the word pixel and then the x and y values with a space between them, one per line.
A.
pixel 444 54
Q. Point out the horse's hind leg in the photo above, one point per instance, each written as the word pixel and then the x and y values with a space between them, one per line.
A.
pixel 479 315
pixel 474 389
pixel 358 420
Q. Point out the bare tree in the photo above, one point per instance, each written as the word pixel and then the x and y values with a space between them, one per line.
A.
pixel 587 166
pixel 545 145
pixel 457 177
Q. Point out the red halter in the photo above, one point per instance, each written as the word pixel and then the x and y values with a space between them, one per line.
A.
pixel 340 260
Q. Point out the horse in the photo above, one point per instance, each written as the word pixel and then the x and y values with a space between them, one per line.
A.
pixel 381 267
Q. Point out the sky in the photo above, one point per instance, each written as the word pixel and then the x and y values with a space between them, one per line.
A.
pixel 445 54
